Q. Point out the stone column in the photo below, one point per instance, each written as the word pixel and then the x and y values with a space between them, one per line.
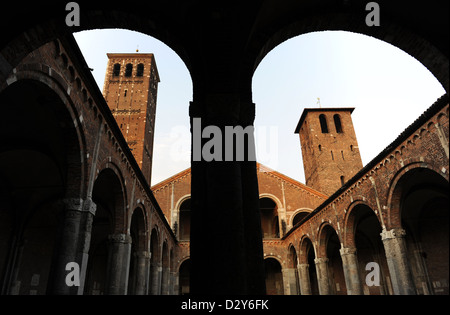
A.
pixel 305 281
pixel 290 281
pixel 323 275
pixel 398 264
pixel 118 263
pixel 351 271
pixel 155 283
pixel 73 244
pixel 165 280
pixel 226 241
pixel 174 283
pixel 142 267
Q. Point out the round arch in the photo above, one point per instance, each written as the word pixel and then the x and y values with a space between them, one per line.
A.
pixel 273 198
pixel 400 36
pixel 155 261
pixel 351 220
pixel 305 246
pixel 41 166
pixel 65 114
pixel 274 276
pixel 396 189
pixel 184 269
pixel 182 218
pixel 271 223
pixel 307 267
pixel 165 268
pixel 112 191
pixel 332 279
pixel 420 205
pixel 139 245
pixel 298 215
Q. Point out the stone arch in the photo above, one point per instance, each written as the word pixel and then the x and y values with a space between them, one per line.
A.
pixel 155 261
pixel 119 211
pixel 307 267
pixel 329 262
pixel 305 245
pixel 67 115
pixel 274 276
pixel 183 276
pixel 42 173
pixel 137 284
pixel 361 237
pixel 165 271
pixel 322 237
pixel 270 218
pixel 420 206
pixel 281 210
pixel 183 220
pixel 298 215
pixel 292 272
pixel 108 233
pixel 396 189
pixel 405 38
pixel 350 222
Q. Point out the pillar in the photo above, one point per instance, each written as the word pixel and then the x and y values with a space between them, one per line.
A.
pixel 398 264
pixel 305 281
pixel 118 263
pixel 290 281
pixel 226 242
pixel 142 268
pixel 73 243
pixel 323 275
pixel 351 271
pixel 155 283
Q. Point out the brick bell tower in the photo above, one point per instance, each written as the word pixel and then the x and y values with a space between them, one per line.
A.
pixel 130 89
pixel 329 148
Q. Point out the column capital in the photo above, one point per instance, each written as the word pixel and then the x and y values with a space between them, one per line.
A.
pixel 120 238
pixel 347 251
pixel 393 233
pixel 302 266
pixel 321 260
pixel 142 254
pixel 79 204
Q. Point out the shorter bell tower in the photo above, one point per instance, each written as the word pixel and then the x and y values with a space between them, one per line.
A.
pixel 329 147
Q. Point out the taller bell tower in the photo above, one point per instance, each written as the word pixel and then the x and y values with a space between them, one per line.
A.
pixel 130 89
pixel 329 147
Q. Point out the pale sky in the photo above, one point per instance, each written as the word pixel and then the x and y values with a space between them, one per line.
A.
pixel 387 87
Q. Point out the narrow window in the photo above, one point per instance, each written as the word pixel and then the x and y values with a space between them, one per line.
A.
pixel 351 147
pixel 332 156
pixel 128 70
pixel 337 123
pixel 116 70
pixel 342 180
pixel 323 123
pixel 125 93
pixel 140 70
pixel 320 147
pixel 342 153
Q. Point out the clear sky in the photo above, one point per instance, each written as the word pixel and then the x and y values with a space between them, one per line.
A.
pixel 387 87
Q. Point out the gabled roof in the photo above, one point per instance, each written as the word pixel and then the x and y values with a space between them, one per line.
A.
pixel 171 179
pixel 265 169
pixel 260 167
